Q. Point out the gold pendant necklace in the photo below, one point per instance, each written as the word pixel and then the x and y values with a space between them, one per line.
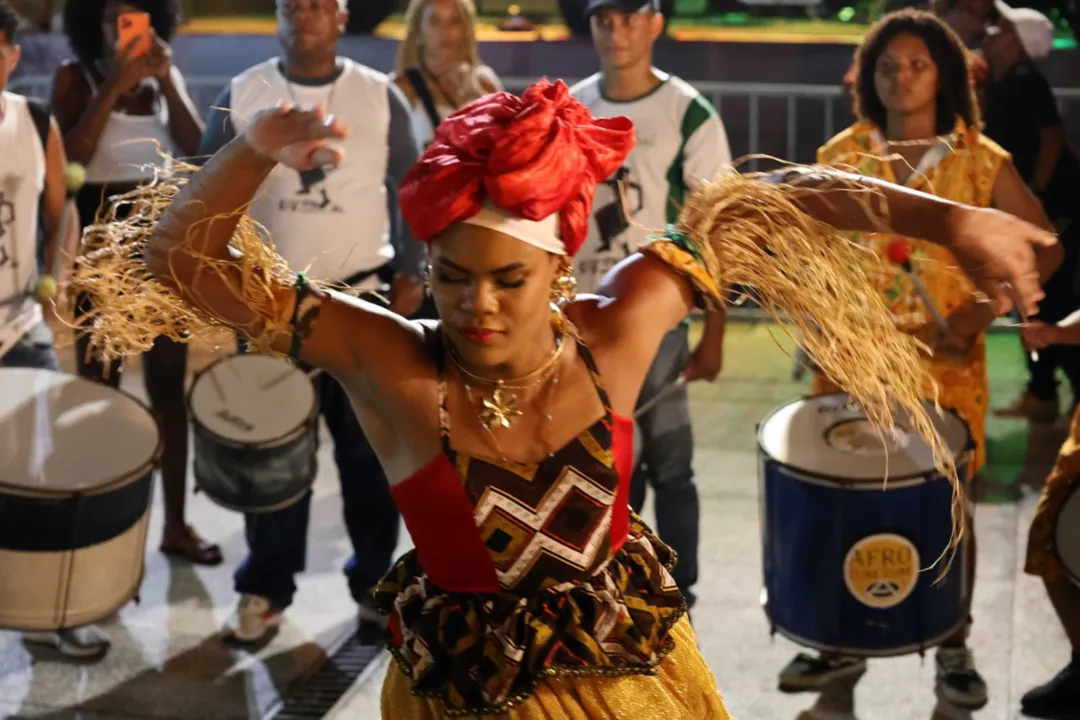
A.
pixel 501 408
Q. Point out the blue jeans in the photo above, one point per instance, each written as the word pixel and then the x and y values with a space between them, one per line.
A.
pixel 34 350
pixel 666 461
pixel 277 541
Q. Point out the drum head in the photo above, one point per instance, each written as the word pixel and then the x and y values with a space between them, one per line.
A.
pixel 62 434
pixel 1067 532
pixel 252 399
pixel 825 436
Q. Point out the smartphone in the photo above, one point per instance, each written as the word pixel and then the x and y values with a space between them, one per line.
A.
pixel 133 26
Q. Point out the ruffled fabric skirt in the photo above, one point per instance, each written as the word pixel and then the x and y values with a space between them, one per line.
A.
pixel 565 649
pixel 682 687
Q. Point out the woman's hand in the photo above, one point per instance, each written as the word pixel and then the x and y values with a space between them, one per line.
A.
pixel 159 57
pixel 1037 335
pixel 997 251
pixel 300 137
pixel 129 70
pixel 965 326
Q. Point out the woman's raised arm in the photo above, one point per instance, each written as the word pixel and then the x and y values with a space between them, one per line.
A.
pixel 209 254
pixel 776 235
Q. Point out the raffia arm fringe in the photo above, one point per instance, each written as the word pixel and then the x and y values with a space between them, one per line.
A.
pixel 752 233
pixel 131 306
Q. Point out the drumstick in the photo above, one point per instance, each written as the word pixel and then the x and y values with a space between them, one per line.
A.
pixel 899 252
pixel 217 385
pixel 281 378
pixel 1034 354
pixel 660 395
pixel 45 289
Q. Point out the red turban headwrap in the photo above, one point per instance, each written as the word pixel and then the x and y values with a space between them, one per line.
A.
pixel 529 156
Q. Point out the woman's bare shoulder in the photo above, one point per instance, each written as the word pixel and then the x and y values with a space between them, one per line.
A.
pixel 487 79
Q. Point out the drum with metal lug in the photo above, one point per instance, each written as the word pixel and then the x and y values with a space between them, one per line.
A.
pixel 1067 532
pixel 847 557
pixel 255 425
pixel 76 469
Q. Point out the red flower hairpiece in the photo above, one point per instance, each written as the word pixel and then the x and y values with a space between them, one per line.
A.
pixel 533 155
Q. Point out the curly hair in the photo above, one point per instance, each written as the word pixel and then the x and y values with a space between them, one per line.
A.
pixel 955 95
pixel 82 24
pixel 9 21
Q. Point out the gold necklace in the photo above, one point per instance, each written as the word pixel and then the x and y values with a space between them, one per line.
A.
pixel 501 408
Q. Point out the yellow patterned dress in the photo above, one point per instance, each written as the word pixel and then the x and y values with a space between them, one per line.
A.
pixel 534 594
pixel 964 171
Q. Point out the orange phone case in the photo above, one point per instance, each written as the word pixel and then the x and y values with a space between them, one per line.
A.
pixel 131 26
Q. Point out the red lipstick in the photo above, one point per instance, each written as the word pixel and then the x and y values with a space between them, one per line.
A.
pixel 480 336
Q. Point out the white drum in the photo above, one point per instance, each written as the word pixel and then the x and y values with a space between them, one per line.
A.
pixel 76 467
pixel 255 422
pixel 1067 533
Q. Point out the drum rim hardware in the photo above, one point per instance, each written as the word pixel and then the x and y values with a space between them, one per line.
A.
pixel 289 436
pixel 228 470
pixel 862 652
pixel 148 466
pixel 86 540
pixel 961 456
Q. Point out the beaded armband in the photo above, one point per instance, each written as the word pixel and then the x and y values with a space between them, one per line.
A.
pixel 692 259
pixel 305 312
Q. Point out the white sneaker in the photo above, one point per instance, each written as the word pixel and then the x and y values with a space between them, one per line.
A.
pixel 254 620
pixel 82 643
pixel 957 680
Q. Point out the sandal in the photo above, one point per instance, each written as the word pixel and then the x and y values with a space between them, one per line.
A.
pixel 193 549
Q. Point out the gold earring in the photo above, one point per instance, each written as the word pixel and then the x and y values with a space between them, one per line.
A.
pixel 427 282
pixel 564 289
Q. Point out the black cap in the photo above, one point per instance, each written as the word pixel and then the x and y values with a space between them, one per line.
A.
pixel 627 6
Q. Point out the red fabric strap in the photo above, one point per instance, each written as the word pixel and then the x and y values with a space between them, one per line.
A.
pixel 439 517
pixel 622 446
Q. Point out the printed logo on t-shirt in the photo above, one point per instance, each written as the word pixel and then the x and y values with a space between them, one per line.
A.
pixel 613 219
pixel 7 221
pixel 312 195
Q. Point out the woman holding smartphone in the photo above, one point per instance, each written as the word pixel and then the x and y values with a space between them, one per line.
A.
pixel 121 105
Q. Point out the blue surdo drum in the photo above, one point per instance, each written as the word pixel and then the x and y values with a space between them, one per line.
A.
pixel 846 557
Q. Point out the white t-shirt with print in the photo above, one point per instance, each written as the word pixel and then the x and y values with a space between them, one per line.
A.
pixel 680 142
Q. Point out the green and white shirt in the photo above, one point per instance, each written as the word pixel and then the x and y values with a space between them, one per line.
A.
pixel 680 142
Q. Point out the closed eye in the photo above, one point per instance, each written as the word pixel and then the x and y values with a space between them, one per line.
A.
pixel 448 277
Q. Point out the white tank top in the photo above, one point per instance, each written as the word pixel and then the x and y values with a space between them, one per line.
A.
pixel 128 151
pixel 334 224
pixel 22 179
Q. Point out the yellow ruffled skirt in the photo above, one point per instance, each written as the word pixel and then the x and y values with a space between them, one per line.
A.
pixel 682 688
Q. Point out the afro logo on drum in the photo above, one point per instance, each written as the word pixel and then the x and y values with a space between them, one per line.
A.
pixel 881 571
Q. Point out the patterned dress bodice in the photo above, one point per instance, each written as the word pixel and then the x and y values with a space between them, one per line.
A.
pixel 523 571
pixel 549 522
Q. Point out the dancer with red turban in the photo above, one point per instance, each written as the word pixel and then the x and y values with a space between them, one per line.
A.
pixel 504 429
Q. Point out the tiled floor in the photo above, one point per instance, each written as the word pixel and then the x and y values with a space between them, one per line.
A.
pixel 167 662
